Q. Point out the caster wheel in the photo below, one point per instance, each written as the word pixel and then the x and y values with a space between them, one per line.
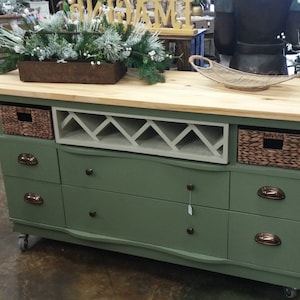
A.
pixel 27 241
pixel 290 292
pixel 23 242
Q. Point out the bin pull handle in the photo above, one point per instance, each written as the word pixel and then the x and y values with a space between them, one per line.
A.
pixel 271 193
pixel 268 239
pixel 27 159
pixel 33 198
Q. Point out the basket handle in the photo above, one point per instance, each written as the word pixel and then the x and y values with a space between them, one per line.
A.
pixel 192 58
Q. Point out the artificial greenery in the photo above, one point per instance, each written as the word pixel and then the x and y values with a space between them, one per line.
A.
pixel 9 7
pixel 64 38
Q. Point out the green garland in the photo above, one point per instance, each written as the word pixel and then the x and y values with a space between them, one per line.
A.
pixel 59 38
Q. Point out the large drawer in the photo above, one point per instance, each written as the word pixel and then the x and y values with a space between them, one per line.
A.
pixel 242 247
pixel 265 195
pixel 145 176
pixel 29 158
pixel 34 201
pixel 145 220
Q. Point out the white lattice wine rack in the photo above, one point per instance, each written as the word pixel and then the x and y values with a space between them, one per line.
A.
pixel 187 139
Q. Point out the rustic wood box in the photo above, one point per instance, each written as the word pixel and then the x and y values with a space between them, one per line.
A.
pixel 70 72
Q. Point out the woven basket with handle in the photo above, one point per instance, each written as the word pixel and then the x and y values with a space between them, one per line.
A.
pixel 236 79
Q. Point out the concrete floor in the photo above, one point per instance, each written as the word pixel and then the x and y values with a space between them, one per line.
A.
pixel 54 270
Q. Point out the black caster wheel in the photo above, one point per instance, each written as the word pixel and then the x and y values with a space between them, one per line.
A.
pixel 23 242
pixel 289 292
pixel 27 241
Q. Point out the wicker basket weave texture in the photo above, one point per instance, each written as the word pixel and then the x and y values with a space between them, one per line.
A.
pixel 251 149
pixel 27 121
pixel 236 79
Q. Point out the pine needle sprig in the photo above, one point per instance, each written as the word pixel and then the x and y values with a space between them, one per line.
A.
pixel 9 61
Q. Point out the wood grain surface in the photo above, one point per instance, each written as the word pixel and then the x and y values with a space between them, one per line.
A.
pixel 182 91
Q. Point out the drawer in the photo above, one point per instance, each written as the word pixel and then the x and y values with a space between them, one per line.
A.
pixel 246 187
pixel 145 220
pixel 243 229
pixel 145 176
pixel 29 158
pixel 34 201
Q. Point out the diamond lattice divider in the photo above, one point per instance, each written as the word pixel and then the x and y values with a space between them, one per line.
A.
pixel 187 139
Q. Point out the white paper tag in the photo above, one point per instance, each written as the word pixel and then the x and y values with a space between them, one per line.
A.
pixel 190 210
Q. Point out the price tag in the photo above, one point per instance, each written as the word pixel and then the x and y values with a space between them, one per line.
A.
pixel 190 210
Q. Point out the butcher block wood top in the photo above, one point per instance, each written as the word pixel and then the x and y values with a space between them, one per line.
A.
pixel 182 91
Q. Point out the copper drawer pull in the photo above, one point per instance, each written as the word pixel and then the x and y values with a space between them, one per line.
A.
pixel 27 159
pixel 267 239
pixel 33 198
pixel 271 192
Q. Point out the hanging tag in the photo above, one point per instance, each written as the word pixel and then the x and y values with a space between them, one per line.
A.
pixel 190 210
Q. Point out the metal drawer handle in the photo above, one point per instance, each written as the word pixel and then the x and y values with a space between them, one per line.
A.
pixel 190 187
pixel 33 198
pixel 92 213
pixel 271 192
pixel 267 239
pixel 27 159
pixel 190 230
pixel 89 171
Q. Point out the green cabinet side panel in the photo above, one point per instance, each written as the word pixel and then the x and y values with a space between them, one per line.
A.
pixel 147 220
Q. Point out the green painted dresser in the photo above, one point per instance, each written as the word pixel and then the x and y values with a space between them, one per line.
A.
pixel 186 171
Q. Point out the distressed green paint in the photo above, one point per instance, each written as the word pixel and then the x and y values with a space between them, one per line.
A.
pixel 144 176
pixel 147 220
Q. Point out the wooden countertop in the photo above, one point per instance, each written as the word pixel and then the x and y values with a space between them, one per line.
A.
pixel 183 91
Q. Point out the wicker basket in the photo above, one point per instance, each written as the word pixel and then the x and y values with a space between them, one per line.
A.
pixel 235 79
pixel 27 121
pixel 269 148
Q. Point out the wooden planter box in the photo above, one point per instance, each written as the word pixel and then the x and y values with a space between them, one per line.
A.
pixel 70 72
